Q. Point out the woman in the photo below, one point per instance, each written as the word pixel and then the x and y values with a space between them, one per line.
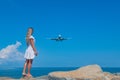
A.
pixel 29 53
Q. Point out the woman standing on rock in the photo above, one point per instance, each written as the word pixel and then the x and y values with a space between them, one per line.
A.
pixel 30 52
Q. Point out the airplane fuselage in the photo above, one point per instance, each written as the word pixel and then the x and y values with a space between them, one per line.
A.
pixel 59 38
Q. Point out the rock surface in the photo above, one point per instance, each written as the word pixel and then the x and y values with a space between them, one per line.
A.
pixel 5 78
pixel 37 78
pixel 90 72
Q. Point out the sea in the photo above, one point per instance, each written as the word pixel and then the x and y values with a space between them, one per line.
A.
pixel 40 71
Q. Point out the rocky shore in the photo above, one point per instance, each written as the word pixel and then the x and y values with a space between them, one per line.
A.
pixel 90 72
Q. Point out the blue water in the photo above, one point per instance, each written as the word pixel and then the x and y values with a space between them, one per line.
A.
pixel 36 72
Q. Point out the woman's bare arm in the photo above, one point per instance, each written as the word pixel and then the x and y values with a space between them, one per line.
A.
pixel 33 46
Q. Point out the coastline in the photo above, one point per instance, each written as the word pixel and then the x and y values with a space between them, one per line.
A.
pixel 90 72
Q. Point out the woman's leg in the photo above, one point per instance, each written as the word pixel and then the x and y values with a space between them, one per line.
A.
pixel 25 66
pixel 29 66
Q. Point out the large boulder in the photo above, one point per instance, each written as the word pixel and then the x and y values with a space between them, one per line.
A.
pixel 90 72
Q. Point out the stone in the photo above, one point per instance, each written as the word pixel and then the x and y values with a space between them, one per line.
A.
pixel 90 71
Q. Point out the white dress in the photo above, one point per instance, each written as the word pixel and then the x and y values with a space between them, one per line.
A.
pixel 29 53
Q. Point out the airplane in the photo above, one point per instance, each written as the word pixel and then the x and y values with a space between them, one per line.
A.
pixel 59 38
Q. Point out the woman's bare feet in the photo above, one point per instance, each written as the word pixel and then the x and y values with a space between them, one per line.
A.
pixel 24 74
pixel 29 75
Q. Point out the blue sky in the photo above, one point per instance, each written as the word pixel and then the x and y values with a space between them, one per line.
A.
pixel 93 25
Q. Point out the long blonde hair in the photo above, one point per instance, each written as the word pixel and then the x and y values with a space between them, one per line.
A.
pixel 29 33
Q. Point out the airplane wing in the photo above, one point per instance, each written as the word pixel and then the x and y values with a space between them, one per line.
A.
pixel 54 39
pixel 64 39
